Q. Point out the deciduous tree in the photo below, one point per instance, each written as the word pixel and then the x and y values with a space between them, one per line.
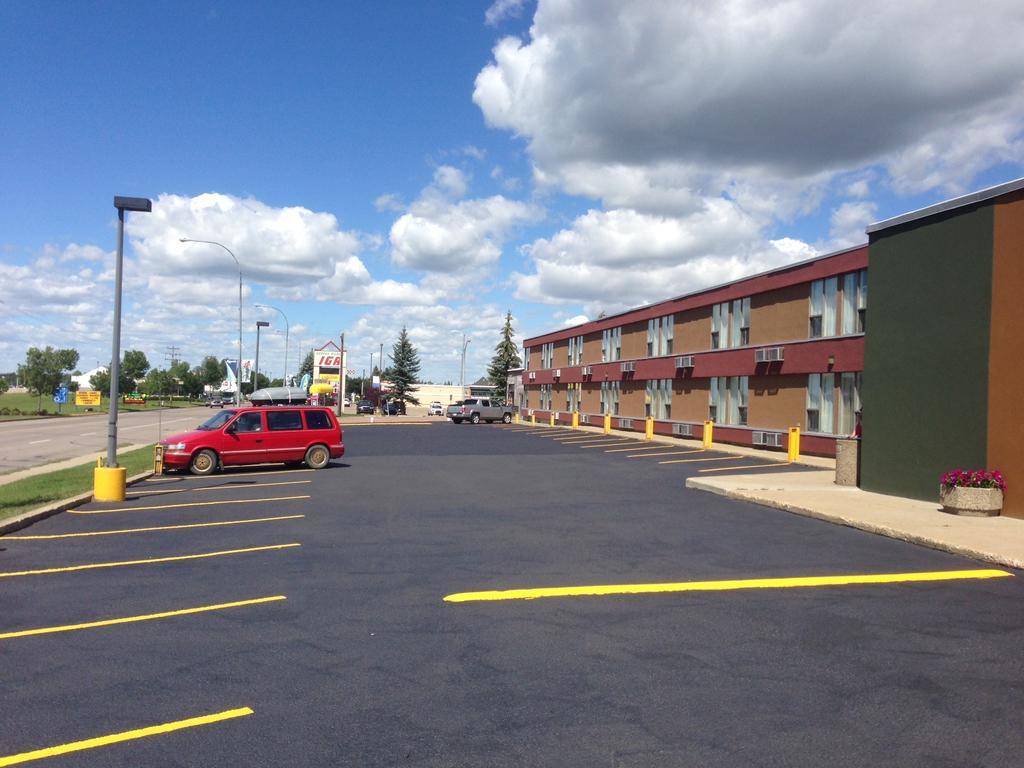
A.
pixel 46 369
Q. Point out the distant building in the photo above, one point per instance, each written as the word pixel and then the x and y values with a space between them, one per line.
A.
pixel 83 379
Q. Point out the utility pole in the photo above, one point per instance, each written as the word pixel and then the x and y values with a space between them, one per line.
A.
pixel 341 375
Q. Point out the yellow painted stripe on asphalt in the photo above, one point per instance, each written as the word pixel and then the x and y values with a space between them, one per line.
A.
pixel 145 617
pixel 220 488
pixel 745 466
pixel 579 439
pixel 607 443
pixel 665 453
pixel 638 446
pixel 184 504
pixel 347 424
pixel 229 472
pixel 153 528
pixel 146 561
pixel 732 584
pixel 117 738
pixel 690 461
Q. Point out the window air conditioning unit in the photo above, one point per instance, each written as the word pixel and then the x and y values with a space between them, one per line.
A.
pixel 625 423
pixel 588 371
pixel 769 355
pixel 558 373
pixel 769 439
pixel 533 375
pixel 629 367
pixel 686 361
pixel 682 430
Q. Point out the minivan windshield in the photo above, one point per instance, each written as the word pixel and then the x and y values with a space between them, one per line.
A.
pixel 217 421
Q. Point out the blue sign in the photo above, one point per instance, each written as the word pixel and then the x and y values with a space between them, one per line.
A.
pixel 60 395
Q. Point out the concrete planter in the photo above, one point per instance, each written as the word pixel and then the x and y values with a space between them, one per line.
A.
pixel 973 502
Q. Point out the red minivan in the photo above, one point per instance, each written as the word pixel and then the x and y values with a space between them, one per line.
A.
pixel 255 436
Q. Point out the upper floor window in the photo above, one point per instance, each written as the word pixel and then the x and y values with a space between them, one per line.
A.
pixel 526 357
pixel 659 335
pixel 823 308
pixel 730 324
pixel 611 344
pixel 576 350
pixel 740 334
pixel 719 325
pixel 855 301
pixel 547 355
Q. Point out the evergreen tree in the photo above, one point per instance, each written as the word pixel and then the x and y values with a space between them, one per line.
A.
pixel 307 365
pixel 405 369
pixel 506 356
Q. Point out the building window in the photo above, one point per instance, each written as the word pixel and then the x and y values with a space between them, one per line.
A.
pixel 740 335
pixel 547 355
pixel 719 325
pixel 659 335
pixel 727 399
pixel 855 301
pixel 849 389
pixel 820 402
pixel 573 397
pixel 611 345
pixel 717 395
pixel 823 308
pixel 576 350
pixel 610 397
pixel 526 357
pixel 738 386
pixel 862 301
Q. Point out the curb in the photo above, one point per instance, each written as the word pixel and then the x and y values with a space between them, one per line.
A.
pixel 880 530
pixel 25 519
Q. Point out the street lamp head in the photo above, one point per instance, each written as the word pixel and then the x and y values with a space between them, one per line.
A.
pixel 262 324
pixel 143 204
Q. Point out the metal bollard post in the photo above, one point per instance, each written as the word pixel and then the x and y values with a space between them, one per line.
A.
pixel 551 419
pixel 533 418
pixel 158 460
pixel 709 429
pixel 575 419
pixel 607 424
pixel 794 444
pixel 649 429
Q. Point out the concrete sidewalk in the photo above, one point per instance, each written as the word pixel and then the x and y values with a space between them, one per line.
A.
pixel 814 494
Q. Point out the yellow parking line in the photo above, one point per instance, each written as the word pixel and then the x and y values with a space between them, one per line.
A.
pixel 154 528
pixel 708 586
pixel 607 443
pixel 145 617
pixel 116 738
pixel 146 561
pixel 690 461
pixel 665 453
pixel 638 446
pixel 745 466
pixel 231 471
pixel 184 504
pixel 579 439
pixel 346 424
pixel 219 488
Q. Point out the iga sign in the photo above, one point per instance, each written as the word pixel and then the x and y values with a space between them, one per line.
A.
pixel 327 360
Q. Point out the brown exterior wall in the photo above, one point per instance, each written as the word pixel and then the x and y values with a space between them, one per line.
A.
pixel 690 400
pixel 780 315
pixel 631 399
pixel 692 332
pixel 777 402
pixel 634 341
pixel 534 364
pixel 591 348
pixel 591 398
pixel 1006 352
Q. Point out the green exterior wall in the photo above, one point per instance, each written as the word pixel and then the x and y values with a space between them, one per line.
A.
pixel 926 351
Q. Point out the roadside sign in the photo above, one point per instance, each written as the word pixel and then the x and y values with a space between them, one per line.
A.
pixel 89 397
pixel 60 395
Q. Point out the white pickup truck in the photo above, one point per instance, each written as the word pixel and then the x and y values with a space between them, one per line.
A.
pixel 477 409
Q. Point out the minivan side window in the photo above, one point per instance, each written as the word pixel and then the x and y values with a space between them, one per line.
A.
pixel 281 420
pixel 317 420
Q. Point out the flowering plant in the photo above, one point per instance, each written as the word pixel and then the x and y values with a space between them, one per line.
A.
pixel 974 478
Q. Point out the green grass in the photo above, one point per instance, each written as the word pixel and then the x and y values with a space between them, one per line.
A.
pixel 28 404
pixel 38 490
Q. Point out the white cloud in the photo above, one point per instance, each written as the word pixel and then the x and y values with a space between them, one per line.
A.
pixel 501 10
pixel 648 104
pixel 389 202
pixel 849 222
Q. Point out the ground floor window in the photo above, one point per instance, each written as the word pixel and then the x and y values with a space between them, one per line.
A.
pixel 573 397
pixel 821 402
pixel 850 385
pixel 610 397
pixel 727 399
pixel 658 398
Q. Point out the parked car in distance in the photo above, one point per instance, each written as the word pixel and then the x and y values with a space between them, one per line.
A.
pixel 347 402
pixel 453 410
pixel 257 435
pixel 394 408
pixel 435 409
pixel 215 402
pixel 477 409
pixel 365 406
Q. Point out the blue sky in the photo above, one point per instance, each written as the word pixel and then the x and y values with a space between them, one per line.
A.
pixel 375 165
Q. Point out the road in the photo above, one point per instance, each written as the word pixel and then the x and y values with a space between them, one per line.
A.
pixel 25 444
pixel 283 618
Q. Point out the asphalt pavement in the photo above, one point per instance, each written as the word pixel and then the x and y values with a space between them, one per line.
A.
pixel 298 618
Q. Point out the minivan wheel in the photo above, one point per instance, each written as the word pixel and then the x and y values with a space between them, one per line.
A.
pixel 203 463
pixel 317 457
pixel 475 418
pixel 507 418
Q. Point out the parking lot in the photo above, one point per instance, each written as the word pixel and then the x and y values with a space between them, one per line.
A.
pixel 273 617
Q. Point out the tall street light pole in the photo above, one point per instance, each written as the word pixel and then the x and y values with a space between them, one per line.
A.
pixel 256 363
pixel 462 370
pixel 109 481
pixel 238 377
pixel 286 331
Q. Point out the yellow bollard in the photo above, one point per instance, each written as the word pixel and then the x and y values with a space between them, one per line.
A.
pixel 794 444
pixel 158 459
pixel 516 417
pixel 649 429
pixel 575 419
pixel 551 419
pixel 109 483
pixel 533 418
pixel 607 424
pixel 709 428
